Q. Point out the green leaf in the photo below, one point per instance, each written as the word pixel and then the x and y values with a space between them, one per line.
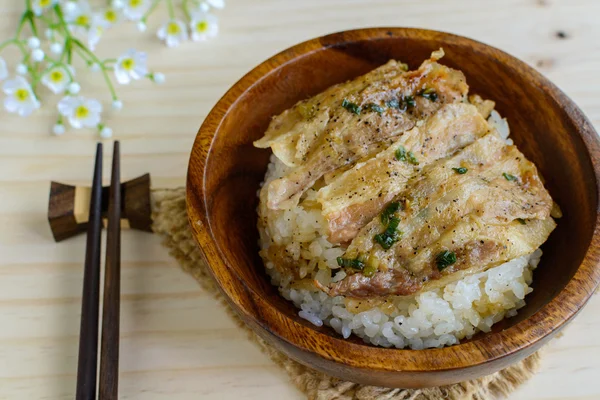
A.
pixel 460 170
pixel 509 177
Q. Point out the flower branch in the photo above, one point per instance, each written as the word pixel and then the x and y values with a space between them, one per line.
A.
pixel 72 30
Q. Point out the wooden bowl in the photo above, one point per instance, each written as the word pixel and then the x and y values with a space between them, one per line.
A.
pixel 225 171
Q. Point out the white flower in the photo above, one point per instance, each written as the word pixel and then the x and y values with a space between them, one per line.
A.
pixel 57 78
pixel 95 34
pixel 22 69
pixel 173 32
pixel 204 26
pixel 216 3
pixel 56 48
pixel 206 5
pixel 74 88
pixel 118 4
pixel 95 67
pixel 38 55
pixel 141 26
pixel 97 28
pixel 79 16
pixel 49 33
pixel 158 78
pixel 117 104
pixel 58 129
pixel 33 42
pixel 20 98
pixel 131 65
pixel 70 6
pixel 3 69
pixel 110 16
pixel 203 7
pixel 105 132
pixel 39 6
pixel 80 111
pixel 134 10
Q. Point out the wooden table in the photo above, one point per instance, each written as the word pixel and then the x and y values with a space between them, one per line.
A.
pixel 177 343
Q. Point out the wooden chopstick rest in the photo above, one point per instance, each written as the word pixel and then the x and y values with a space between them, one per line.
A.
pixel 68 207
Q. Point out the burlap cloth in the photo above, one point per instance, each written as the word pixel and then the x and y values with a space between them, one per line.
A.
pixel 170 221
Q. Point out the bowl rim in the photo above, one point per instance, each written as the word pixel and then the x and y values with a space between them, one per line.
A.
pixel 523 335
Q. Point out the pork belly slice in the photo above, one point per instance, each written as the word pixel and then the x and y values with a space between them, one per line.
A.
pixel 348 121
pixel 356 196
pixel 498 191
pixel 485 247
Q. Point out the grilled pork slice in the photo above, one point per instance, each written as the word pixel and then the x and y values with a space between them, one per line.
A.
pixel 291 134
pixel 476 246
pixel 448 218
pixel 354 197
pixel 352 120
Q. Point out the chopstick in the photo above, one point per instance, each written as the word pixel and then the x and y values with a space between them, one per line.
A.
pixel 88 331
pixel 88 338
pixel 109 347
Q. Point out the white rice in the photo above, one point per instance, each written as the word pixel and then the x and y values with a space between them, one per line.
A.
pixel 435 318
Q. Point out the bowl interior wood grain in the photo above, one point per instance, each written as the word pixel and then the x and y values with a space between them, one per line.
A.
pixel 225 172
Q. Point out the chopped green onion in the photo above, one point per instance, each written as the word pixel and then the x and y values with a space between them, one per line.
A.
pixel 412 159
pixel 445 259
pixel 353 263
pixel 389 211
pixel 385 241
pixel 522 221
pixel 306 110
pixel 374 107
pixel 369 270
pixel 391 234
pixel 509 177
pixel 401 154
pixel 460 170
pixel 393 225
pixel 409 101
pixel 402 104
pixel 393 103
pixel 352 107
pixel 429 94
